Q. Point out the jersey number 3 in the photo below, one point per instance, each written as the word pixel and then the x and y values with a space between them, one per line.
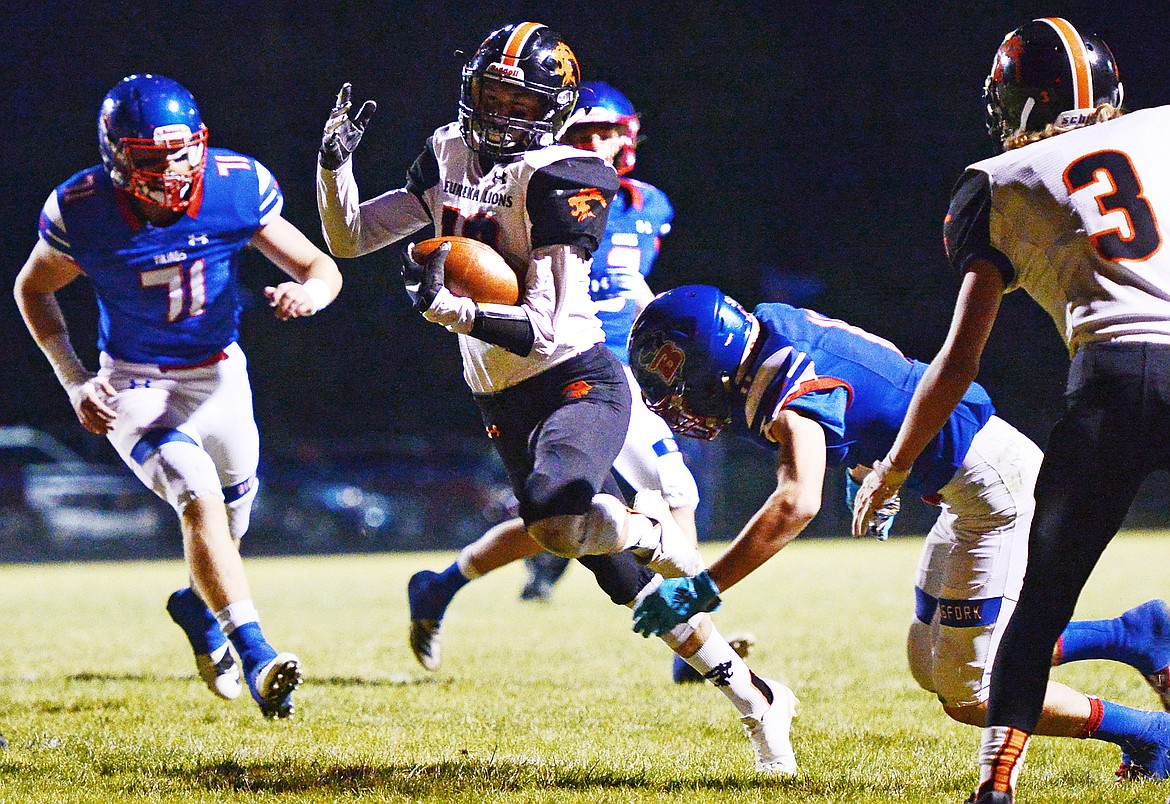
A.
pixel 1117 188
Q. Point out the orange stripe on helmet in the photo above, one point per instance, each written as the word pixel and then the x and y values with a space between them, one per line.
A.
pixel 515 44
pixel 1078 57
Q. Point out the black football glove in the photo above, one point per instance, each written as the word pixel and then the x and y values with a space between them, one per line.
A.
pixel 424 280
pixel 342 134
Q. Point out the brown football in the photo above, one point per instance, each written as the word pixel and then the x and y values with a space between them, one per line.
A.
pixel 473 269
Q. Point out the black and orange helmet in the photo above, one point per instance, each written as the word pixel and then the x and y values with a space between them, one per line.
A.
pixel 529 58
pixel 1048 72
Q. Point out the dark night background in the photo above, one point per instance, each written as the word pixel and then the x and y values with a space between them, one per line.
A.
pixel 804 145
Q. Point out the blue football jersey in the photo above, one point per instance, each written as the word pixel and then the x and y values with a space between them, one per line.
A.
pixel 857 386
pixel 639 218
pixel 166 295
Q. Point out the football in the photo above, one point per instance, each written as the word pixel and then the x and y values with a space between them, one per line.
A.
pixel 473 269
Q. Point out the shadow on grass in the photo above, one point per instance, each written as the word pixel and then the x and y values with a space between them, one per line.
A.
pixel 399 680
pixel 466 775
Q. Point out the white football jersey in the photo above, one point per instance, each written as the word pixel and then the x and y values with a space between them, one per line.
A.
pixel 1075 220
pixel 544 211
pixel 554 196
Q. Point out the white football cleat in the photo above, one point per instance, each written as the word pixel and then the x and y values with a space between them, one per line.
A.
pixel 675 555
pixel 770 735
pixel 221 675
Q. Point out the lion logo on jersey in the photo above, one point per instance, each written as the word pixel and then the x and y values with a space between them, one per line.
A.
pixel 579 203
pixel 565 65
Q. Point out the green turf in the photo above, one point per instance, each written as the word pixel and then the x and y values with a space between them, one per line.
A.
pixel 534 702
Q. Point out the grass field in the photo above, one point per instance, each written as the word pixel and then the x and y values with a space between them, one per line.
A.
pixel 535 702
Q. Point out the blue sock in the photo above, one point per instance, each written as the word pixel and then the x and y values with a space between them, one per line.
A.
pixel 452 579
pixel 191 614
pixel 1135 638
pixel 251 646
pixel 1122 725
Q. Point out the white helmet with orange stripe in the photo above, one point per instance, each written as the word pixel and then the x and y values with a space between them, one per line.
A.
pixel 518 90
pixel 1047 72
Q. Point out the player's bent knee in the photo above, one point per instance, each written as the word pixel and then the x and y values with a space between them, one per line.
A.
pixel 920 654
pixel 180 471
pixel 973 714
pixel 960 666
pixel 560 535
pixel 238 499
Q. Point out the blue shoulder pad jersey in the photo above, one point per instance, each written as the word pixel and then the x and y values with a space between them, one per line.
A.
pixel 857 386
pixel 639 217
pixel 166 295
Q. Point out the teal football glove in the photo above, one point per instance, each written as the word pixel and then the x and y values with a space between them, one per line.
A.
pixel 675 601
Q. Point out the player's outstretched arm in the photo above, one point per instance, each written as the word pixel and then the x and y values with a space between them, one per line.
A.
pixel 44 273
pixel 800 474
pixel 941 389
pixel 317 279
pixel 343 133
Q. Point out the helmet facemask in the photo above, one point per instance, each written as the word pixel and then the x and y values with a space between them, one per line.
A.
pixel 166 171
pixel 614 142
pixel 675 410
pixel 501 117
pixel 517 91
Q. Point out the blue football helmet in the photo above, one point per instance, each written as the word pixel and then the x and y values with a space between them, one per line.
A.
pixel 153 141
pixel 518 90
pixel 685 350
pixel 601 105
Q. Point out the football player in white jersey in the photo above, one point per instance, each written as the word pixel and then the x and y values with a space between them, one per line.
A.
pixel 1070 212
pixel 554 400
pixel 605 123
pixel 158 228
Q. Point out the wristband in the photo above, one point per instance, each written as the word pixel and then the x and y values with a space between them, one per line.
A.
pixel 319 293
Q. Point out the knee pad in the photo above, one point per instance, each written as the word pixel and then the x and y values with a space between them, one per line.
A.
pixel 962 664
pixel 179 471
pixel 920 653
pixel 560 535
pixel 601 530
pixel 239 499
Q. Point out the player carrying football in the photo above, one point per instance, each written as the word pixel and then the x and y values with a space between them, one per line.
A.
pixel 554 400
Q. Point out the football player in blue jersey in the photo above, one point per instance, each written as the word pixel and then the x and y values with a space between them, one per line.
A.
pixel 554 400
pixel 821 392
pixel 1069 212
pixel 158 228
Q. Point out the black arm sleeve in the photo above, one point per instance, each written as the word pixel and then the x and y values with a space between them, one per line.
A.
pixel 967 227
pixel 424 173
pixel 568 202
pixel 504 326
